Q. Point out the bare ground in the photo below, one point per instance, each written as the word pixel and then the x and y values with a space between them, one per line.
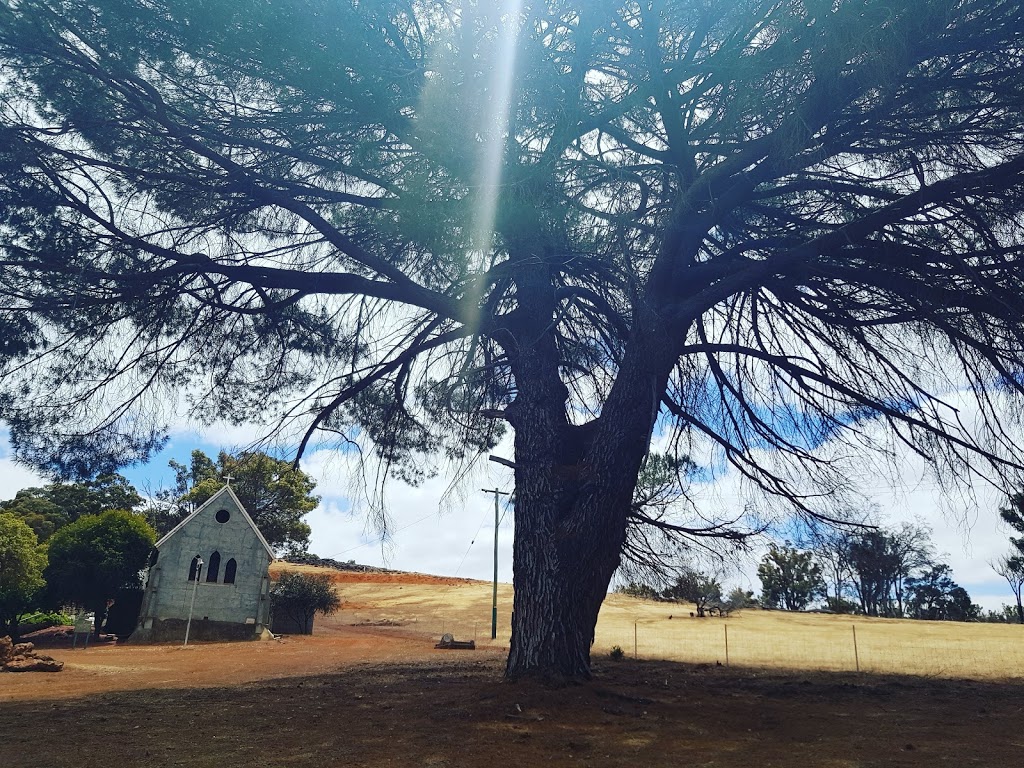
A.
pixel 383 696
pixel 370 697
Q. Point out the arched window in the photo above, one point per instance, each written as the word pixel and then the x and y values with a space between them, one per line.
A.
pixel 192 568
pixel 229 571
pixel 153 556
pixel 213 571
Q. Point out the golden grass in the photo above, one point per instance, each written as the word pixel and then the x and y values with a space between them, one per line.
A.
pixel 768 639
pixel 781 640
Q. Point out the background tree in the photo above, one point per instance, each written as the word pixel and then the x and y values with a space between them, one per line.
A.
pixel 1013 516
pixel 1006 615
pixel 933 595
pixel 403 226
pixel 95 556
pixel 53 506
pixel 694 586
pixel 665 526
pixel 1011 568
pixel 33 508
pixel 276 495
pixel 830 545
pixel 21 572
pixel 871 563
pixel 790 579
pixel 300 596
pixel 831 548
pixel 737 599
pixel 880 562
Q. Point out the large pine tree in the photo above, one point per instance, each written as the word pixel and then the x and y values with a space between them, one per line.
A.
pixel 757 223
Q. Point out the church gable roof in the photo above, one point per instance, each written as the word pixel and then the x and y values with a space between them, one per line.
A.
pixel 210 502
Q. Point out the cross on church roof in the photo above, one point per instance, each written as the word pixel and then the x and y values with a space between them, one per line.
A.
pixel 228 479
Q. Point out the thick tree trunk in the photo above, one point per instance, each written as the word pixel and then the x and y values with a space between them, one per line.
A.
pixel 574 489
pixel 574 483
pixel 562 572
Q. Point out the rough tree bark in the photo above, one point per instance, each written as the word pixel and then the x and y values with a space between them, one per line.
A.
pixel 574 486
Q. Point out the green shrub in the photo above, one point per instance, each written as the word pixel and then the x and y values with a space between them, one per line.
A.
pixel 299 596
pixel 617 653
pixel 43 620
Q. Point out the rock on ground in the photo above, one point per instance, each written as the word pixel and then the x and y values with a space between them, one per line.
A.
pixel 22 658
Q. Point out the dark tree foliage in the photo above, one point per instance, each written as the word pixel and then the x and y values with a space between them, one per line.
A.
pixel 790 579
pixel 1013 515
pixel 691 585
pixel 935 596
pixel 94 557
pixel 831 549
pixel 21 572
pixel 300 596
pixel 276 495
pixel 881 561
pixel 737 599
pixel 405 224
pixel 1011 566
pixel 664 525
pixel 53 506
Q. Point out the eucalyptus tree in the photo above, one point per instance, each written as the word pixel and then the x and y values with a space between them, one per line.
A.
pixel 764 228
pixel 933 595
pixel 1011 568
pixel 1011 565
pixel 276 494
pixel 790 578
pixel 881 562
pixel 49 508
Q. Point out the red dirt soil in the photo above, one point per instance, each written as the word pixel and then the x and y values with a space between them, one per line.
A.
pixel 374 697
pixel 372 577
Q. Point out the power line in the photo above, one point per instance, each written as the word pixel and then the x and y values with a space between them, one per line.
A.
pixel 369 543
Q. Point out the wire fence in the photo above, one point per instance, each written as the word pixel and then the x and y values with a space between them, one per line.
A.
pixel 749 638
pixel 941 649
pixel 838 644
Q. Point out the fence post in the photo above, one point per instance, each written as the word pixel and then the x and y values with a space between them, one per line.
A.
pixel 856 654
pixel 726 628
pixel 634 640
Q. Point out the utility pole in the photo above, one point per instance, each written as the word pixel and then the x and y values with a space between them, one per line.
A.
pixel 494 594
pixel 199 570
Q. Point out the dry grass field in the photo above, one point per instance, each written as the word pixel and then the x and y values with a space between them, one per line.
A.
pixel 368 690
pixel 654 630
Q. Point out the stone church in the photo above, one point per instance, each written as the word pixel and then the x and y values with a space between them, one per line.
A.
pixel 232 600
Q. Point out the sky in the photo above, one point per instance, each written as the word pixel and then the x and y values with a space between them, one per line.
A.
pixel 453 534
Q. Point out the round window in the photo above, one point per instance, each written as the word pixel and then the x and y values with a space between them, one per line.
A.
pixel 223 515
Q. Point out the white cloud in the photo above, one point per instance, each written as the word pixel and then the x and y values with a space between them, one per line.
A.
pixel 14 477
pixel 430 529
pixel 453 535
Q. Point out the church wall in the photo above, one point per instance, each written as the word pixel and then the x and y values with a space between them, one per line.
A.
pixel 169 590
